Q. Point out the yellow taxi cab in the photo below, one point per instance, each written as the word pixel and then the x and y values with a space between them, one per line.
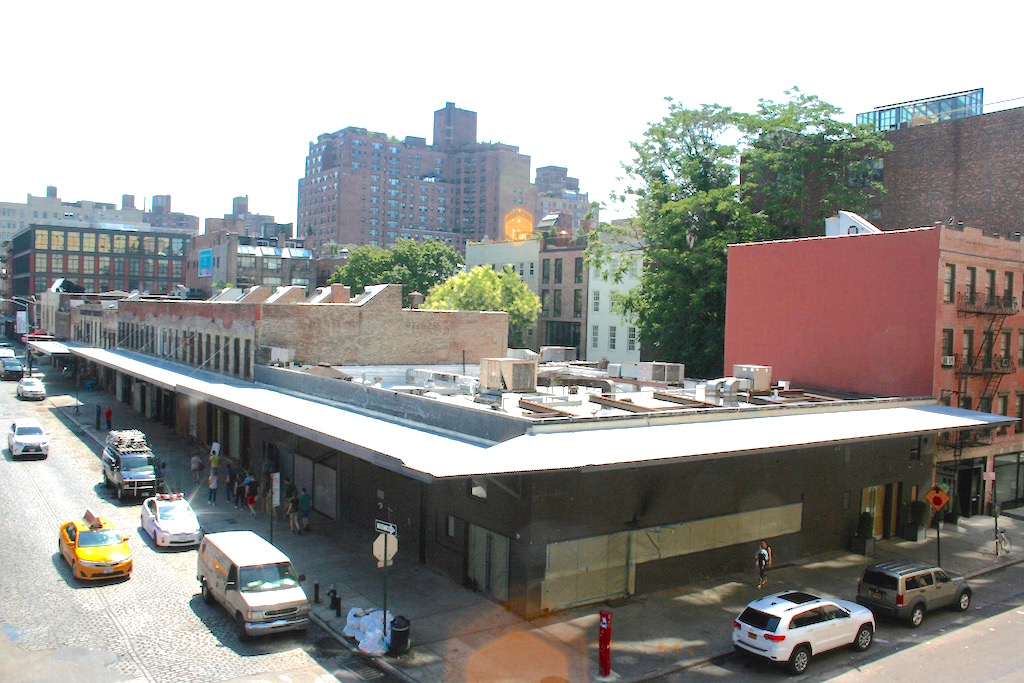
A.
pixel 94 549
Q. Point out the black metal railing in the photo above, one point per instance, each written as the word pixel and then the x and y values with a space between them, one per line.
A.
pixel 986 302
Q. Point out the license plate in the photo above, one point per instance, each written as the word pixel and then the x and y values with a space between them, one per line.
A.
pixel 108 570
pixel 876 595
pixel 752 635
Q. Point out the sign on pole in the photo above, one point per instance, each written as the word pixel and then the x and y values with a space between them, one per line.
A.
pixel 386 527
pixel 937 498
pixel 384 549
pixel 275 486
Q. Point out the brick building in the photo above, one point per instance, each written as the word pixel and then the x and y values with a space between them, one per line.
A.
pixel 921 312
pixel 967 170
pixel 232 335
pixel 366 188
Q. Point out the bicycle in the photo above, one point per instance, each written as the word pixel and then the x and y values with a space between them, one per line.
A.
pixel 1002 543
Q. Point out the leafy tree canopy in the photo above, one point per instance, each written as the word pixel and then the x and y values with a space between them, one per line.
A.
pixel 484 289
pixel 708 177
pixel 417 266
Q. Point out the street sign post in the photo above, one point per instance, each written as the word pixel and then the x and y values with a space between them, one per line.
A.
pixel 384 548
pixel 937 498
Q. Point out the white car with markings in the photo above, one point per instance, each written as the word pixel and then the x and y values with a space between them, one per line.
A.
pixel 170 521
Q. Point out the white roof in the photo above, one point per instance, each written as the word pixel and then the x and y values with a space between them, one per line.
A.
pixel 245 548
pixel 424 454
pixel 48 348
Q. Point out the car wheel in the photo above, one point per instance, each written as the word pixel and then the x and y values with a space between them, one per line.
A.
pixel 864 637
pixel 964 601
pixel 240 623
pixel 120 493
pixel 207 595
pixel 799 660
pixel 106 480
pixel 916 616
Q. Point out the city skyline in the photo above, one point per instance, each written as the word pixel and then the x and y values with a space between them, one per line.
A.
pixel 206 103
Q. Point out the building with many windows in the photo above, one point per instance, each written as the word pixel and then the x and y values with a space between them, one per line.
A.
pixel 226 255
pixel 922 312
pixel 366 188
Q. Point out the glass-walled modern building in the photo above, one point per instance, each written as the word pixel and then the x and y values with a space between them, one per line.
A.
pixel 929 110
pixel 100 259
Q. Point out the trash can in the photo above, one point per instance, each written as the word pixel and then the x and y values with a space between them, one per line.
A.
pixel 399 631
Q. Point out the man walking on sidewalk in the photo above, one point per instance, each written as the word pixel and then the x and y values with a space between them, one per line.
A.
pixel 214 483
pixel 108 414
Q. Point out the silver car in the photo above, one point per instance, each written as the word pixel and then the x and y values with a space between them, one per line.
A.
pixel 31 387
pixel 906 589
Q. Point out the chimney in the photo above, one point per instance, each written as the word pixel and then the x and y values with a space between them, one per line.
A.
pixel 415 299
pixel 340 294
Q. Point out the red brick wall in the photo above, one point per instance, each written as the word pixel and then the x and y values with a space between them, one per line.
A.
pixel 856 313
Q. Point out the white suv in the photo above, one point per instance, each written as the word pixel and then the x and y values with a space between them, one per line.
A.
pixel 27 437
pixel 792 626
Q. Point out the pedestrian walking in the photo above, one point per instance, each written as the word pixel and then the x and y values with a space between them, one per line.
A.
pixel 287 491
pixel 292 510
pixel 196 465
pixel 214 484
pixel 214 456
pixel 305 507
pixel 108 413
pixel 229 480
pixel 763 560
pixel 250 497
pixel 241 484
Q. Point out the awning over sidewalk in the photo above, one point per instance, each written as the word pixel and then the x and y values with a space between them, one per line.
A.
pixel 49 348
pixel 424 454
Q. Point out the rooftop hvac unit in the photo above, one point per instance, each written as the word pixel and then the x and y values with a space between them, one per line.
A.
pixel 615 369
pixel 650 371
pixel 675 373
pixel 760 376
pixel 508 374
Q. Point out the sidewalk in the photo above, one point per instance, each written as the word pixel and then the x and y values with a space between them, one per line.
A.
pixel 458 635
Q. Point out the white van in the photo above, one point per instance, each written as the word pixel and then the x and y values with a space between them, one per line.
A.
pixel 255 582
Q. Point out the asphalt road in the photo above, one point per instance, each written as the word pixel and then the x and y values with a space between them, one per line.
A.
pixel 151 627
pixel 944 639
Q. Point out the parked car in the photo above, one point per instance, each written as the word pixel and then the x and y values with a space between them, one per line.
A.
pixel 12 368
pixel 792 626
pixel 170 520
pixel 906 589
pixel 27 437
pixel 31 387
pixel 94 549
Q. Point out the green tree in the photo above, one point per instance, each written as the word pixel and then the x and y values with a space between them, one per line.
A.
pixel 801 164
pixel 416 266
pixel 484 289
pixel 796 161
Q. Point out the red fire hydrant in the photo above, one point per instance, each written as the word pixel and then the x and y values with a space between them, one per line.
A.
pixel 605 644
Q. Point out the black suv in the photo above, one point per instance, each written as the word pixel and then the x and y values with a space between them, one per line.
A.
pixel 130 466
pixel 12 369
pixel 907 589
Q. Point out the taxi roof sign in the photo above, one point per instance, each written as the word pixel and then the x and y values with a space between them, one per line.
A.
pixel 92 519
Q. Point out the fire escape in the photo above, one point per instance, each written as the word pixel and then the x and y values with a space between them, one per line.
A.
pixel 984 370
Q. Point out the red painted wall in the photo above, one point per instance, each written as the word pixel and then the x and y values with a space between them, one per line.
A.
pixel 856 312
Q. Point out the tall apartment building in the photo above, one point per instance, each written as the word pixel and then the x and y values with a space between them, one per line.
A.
pixel 558 193
pixel 161 216
pixel 366 188
pixel 920 312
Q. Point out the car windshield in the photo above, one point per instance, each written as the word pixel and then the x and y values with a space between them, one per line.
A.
pixel 758 619
pixel 88 539
pixel 138 464
pixel 30 431
pixel 267 577
pixel 180 513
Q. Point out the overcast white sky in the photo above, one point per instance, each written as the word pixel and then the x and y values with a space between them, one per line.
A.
pixel 206 101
